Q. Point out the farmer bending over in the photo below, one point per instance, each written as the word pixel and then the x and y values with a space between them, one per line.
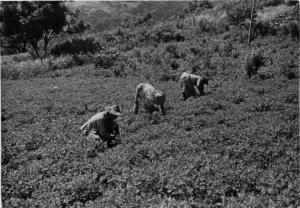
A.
pixel 190 82
pixel 150 97
pixel 103 125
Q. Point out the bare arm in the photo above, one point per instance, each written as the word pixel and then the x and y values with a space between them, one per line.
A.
pixel 116 128
pixel 162 109
pixel 200 86
pixel 136 101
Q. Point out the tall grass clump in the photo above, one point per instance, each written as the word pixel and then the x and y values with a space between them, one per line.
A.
pixel 32 68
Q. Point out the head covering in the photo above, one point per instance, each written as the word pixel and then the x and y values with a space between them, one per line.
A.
pixel 114 109
pixel 158 93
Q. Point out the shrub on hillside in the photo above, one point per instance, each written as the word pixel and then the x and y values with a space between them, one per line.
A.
pixel 172 49
pixel 237 11
pixel 268 3
pixel 289 68
pixel 165 33
pixel 174 64
pixel 119 70
pixel 264 28
pixel 227 48
pixel 294 30
pixel 253 62
pixel 104 61
pixel 206 26
pixel 62 62
pixel 76 46
pixel 290 73
pixel 126 46
pixel 80 59
pixel 196 5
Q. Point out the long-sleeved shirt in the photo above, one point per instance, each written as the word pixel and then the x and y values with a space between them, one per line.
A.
pixel 103 126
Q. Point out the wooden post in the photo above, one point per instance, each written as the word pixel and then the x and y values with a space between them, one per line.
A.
pixel 251 22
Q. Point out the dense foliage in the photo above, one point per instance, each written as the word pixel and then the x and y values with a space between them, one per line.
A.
pixel 76 46
pixel 31 22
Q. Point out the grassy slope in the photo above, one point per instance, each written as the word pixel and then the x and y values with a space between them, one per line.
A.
pixel 201 150
pixel 237 146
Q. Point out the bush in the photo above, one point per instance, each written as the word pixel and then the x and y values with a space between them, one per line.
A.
pixel 165 33
pixel 264 29
pixel 235 54
pixel 62 62
pixel 104 61
pixel 253 62
pixel 172 49
pixel 80 59
pixel 289 73
pixel 294 30
pixel 195 50
pixel 76 46
pixel 174 64
pixel 237 12
pixel 199 4
pixel 289 68
pixel 226 36
pixel 268 3
pixel 119 70
pixel 291 98
pixel 206 26
pixel 227 48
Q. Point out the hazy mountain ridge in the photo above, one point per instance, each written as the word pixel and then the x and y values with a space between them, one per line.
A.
pixel 105 15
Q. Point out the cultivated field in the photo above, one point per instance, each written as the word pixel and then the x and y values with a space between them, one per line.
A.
pixel 236 146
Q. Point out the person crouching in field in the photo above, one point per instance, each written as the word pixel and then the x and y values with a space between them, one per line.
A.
pixel 102 126
pixel 150 97
pixel 190 82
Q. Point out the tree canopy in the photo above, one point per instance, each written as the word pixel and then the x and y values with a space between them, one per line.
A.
pixel 31 22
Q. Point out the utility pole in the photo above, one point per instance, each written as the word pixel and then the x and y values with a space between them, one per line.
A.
pixel 251 22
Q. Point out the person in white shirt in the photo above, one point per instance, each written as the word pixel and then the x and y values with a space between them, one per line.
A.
pixel 150 98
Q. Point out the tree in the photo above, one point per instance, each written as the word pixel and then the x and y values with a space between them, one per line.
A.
pixel 36 21
pixel 238 11
pixel 15 38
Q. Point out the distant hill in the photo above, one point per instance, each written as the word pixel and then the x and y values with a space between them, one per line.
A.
pixel 105 15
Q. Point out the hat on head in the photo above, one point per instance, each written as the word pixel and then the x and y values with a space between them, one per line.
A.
pixel 114 109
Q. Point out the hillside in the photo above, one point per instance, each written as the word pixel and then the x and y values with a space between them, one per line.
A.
pixel 103 15
pixel 235 146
